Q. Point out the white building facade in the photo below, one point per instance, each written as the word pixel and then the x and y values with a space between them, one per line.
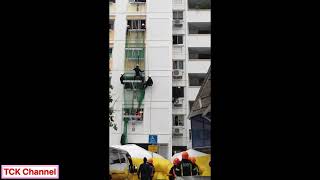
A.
pixel 170 41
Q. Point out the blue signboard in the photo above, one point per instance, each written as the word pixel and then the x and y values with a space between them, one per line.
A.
pixel 153 139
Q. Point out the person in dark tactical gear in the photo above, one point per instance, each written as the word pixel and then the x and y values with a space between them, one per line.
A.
pixel 137 71
pixel 121 78
pixel 149 82
pixel 144 172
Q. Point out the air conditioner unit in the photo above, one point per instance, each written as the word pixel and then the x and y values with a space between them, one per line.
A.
pixel 177 22
pixel 177 73
pixel 178 102
pixel 177 131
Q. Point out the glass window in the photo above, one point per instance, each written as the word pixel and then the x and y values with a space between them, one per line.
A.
pixel 177 39
pixel 111 24
pixel 178 120
pixel 135 54
pixel 199 53
pixel 136 24
pixel 178 15
pixel 177 92
pixel 190 105
pixel 178 64
pixel 110 53
pixel 196 79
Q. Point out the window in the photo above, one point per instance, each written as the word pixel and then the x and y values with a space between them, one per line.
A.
pixel 136 24
pixel 177 64
pixel 199 28
pixel 190 134
pixel 199 4
pixel 190 105
pixel 111 24
pixel 177 1
pixel 178 120
pixel 177 39
pixel 135 54
pixel 177 15
pixel 110 53
pixel 177 92
pixel 199 53
pixel 196 79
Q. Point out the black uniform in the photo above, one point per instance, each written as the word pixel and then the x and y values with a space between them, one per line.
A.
pixel 195 170
pixel 152 171
pixel 185 167
pixel 121 79
pixel 145 171
pixel 137 71
pixel 149 82
pixel 174 172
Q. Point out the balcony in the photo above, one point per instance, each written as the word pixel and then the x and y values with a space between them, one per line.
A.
pixel 199 4
pixel 193 92
pixel 199 53
pixel 199 28
pixel 197 66
pixel 137 6
pixel 199 16
pixel 199 40
pixel 178 4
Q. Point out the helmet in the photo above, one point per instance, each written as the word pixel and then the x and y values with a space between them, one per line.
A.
pixel 185 155
pixel 193 160
pixel 176 161
pixel 150 161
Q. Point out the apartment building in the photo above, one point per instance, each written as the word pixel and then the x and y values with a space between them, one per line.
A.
pixel 191 59
pixel 170 41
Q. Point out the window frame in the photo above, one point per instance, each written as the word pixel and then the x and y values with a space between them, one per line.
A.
pixel 177 39
pixel 180 120
pixel 203 76
pixel 136 24
pixel 133 52
pixel 173 92
pixel 179 65
pixel 177 14
pixel 111 25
